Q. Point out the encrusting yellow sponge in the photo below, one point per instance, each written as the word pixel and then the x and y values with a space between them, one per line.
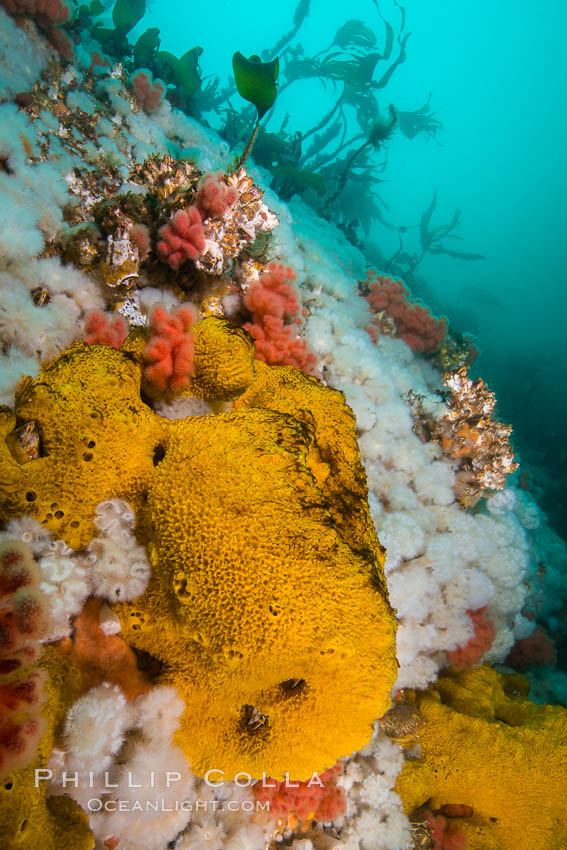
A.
pixel 273 628
pixel 267 602
pixel 486 746
pixel 87 436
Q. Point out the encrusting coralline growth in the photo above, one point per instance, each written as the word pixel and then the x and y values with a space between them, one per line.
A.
pixel 198 439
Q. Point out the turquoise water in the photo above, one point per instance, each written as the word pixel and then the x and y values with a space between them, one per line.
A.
pixel 497 75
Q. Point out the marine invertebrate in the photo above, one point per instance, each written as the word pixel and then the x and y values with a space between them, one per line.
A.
pixel 102 329
pixel 444 834
pixel 182 238
pixel 244 221
pixel 49 15
pixel 149 93
pixel 471 653
pixel 119 568
pixel 214 197
pixel 319 798
pixel 23 622
pixel 274 304
pixel 281 483
pixel 94 728
pixel 477 441
pixel 395 312
pixel 256 671
pixel 168 353
pixel 101 657
pixel 88 404
pixel 486 746
pixel 223 360
pixel 27 817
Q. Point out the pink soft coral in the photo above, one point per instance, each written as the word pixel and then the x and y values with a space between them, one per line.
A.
pixel 102 329
pixel 98 61
pixel 169 350
pixel 140 235
pixel 471 653
pixel 412 322
pixel 149 93
pixel 49 15
pixel 274 305
pixel 183 238
pixel 23 621
pixel 214 197
pixel 318 798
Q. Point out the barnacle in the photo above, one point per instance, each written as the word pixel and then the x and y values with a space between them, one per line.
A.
pixel 227 236
pixel 468 433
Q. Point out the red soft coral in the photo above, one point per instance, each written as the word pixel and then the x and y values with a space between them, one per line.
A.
pixel 274 304
pixel 214 197
pixel 49 15
pixel 98 60
pixel 536 648
pixel 170 347
pixel 140 235
pixel 102 329
pixel 149 93
pixel 413 322
pixel 23 621
pixel 319 798
pixel 183 238
pixel 471 653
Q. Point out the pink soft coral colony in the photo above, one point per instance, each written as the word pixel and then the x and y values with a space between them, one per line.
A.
pixel 274 304
pixel 319 798
pixel 182 238
pixel 413 322
pixel 214 197
pixel 169 350
pixel 49 15
pixel 471 653
pixel 23 619
pixel 149 93
pixel 101 328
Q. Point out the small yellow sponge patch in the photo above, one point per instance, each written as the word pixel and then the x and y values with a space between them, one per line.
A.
pixel 224 360
pixel 485 745
pixel 95 440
